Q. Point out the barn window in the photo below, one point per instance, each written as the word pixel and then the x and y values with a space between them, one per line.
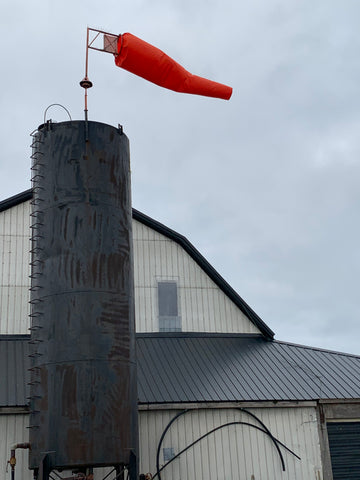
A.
pixel 169 319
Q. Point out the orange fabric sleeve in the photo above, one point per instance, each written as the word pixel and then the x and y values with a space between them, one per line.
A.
pixel 150 63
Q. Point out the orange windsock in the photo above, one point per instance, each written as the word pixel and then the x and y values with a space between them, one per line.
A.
pixel 149 62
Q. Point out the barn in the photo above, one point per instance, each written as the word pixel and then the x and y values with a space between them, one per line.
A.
pixel 218 396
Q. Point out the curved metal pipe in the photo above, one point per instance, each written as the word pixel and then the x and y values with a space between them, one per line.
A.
pixel 12 461
pixel 56 105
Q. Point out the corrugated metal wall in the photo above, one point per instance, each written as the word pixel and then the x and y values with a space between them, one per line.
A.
pixel 344 442
pixel 13 429
pixel 237 452
pixel 233 453
pixel 14 269
pixel 203 306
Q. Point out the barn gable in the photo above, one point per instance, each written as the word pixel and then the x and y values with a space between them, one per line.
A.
pixel 167 266
pixel 240 404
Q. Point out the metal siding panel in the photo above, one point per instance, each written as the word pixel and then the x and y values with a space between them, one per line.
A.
pixel 14 309
pixel 241 380
pixel 313 371
pixel 235 452
pixel 13 372
pixel 344 443
pixel 13 430
pixel 177 368
pixel 5 377
pixel 203 306
pixel 154 255
pixel 186 308
pixel 266 360
pixel 301 378
pixel 167 384
pixel 214 364
pixel 217 368
pixel 298 382
pixel 14 269
pixel 339 363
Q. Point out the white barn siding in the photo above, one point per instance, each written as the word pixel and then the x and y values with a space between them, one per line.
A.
pixel 14 269
pixel 236 452
pixel 203 307
pixel 233 453
pixel 13 429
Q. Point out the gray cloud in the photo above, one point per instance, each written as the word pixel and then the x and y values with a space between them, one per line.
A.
pixel 265 185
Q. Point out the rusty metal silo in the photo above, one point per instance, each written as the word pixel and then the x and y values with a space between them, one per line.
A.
pixel 83 374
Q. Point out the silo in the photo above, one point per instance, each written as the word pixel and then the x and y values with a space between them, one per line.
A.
pixel 83 371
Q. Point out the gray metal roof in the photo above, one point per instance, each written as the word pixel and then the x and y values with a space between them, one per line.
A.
pixel 14 364
pixel 195 367
pixel 222 368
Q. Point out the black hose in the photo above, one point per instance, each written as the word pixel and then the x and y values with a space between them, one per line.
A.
pixel 264 430
pixel 268 432
pixel 205 435
pixel 162 438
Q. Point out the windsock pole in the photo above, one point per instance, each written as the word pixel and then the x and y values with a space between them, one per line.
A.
pixel 85 82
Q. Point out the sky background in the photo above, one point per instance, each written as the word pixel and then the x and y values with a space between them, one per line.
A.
pixel 266 185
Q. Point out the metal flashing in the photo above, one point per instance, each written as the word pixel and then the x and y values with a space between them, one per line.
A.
pixel 15 200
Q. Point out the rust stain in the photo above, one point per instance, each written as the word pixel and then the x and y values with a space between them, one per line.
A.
pixel 68 390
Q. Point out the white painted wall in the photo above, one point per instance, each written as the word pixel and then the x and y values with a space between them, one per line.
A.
pixel 14 269
pixel 13 429
pixel 237 452
pixel 234 453
pixel 203 306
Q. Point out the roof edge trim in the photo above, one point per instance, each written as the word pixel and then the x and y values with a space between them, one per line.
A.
pixel 197 335
pixel 207 267
pixel 15 200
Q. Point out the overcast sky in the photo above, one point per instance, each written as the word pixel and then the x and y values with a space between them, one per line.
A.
pixel 265 185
